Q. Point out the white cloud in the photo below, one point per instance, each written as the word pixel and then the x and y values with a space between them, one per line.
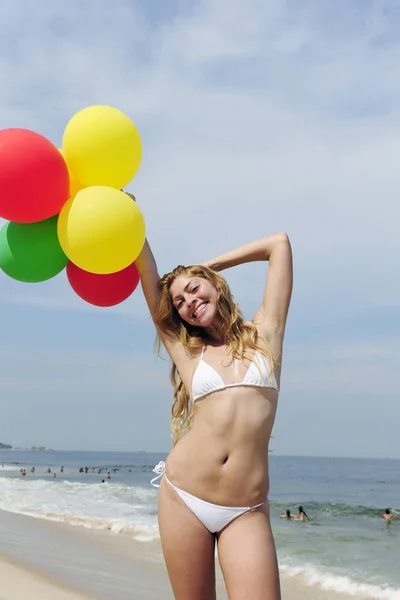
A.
pixel 80 371
pixel 257 124
pixel 346 368
pixel 57 295
pixel 255 117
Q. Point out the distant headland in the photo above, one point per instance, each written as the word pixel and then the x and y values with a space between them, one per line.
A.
pixel 34 448
pixel 5 446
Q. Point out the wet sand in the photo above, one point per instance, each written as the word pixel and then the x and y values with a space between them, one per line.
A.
pixel 43 560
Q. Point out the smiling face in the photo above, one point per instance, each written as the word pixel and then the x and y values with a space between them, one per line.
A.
pixel 195 299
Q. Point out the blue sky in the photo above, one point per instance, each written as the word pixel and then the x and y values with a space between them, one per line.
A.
pixel 255 117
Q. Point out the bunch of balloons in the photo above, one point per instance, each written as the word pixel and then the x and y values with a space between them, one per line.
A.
pixel 66 209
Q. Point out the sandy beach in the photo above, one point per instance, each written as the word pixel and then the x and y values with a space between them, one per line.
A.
pixel 18 582
pixel 42 560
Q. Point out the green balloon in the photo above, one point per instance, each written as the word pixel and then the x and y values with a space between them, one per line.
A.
pixel 31 252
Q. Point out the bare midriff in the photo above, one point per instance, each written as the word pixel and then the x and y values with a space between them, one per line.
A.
pixel 224 457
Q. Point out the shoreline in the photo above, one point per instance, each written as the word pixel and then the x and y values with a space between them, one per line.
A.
pixel 73 563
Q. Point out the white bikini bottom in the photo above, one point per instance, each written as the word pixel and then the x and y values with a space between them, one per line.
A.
pixel 213 516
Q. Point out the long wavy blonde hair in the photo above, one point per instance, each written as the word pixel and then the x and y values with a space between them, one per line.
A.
pixel 240 336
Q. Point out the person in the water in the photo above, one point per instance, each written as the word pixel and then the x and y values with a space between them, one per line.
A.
pixel 288 515
pixel 388 515
pixel 302 514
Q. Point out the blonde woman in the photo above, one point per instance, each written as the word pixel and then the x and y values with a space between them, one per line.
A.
pixel 226 377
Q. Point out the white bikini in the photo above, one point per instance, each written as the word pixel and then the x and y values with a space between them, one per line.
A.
pixel 207 380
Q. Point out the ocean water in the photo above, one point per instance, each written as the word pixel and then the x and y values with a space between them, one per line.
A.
pixel 345 546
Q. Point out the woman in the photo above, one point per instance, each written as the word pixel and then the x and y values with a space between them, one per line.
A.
pixel 226 377
pixel 302 514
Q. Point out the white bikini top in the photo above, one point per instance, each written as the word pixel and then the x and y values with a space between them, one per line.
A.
pixel 206 379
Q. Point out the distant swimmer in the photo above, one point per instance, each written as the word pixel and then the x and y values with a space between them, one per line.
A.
pixel 389 514
pixel 288 515
pixel 302 514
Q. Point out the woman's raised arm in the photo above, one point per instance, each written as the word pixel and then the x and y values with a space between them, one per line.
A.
pixel 271 316
pixel 149 277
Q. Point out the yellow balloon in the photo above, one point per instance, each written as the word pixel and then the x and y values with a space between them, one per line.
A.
pixel 74 185
pixel 102 146
pixel 101 230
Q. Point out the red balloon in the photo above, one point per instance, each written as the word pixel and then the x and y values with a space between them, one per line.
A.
pixel 34 180
pixel 103 290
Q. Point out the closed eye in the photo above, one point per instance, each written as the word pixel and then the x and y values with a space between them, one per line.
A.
pixel 192 291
